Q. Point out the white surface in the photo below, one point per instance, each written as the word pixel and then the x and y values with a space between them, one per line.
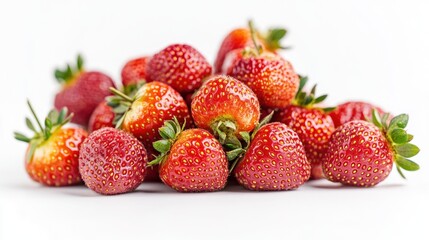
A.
pixel 370 50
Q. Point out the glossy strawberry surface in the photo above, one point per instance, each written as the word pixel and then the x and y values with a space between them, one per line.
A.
pixel 83 94
pixel 353 110
pixel 112 161
pixel 134 71
pixel 313 127
pixel 102 116
pixel 155 103
pixel 180 66
pixel 275 160
pixel 358 154
pixel 196 163
pixel 55 161
pixel 271 78
pixel 225 98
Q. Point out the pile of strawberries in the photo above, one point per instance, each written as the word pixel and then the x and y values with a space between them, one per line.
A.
pixel 177 119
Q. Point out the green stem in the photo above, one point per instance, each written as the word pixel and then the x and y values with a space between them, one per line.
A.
pixel 120 94
pixel 35 116
pixel 253 36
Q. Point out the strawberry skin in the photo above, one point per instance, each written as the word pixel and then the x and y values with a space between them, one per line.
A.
pixel 271 78
pixel 275 160
pixel 237 39
pixel 102 116
pixel 358 154
pixel 196 163
pixel 112 161
pixel 155 103
pixel 225 98
pixel 134 71
pixel 313 127
pixel 353 110
pixel 83 94
pixel 179 65
pixel 55 161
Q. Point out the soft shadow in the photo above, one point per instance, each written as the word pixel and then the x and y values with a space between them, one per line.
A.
pixel 324 184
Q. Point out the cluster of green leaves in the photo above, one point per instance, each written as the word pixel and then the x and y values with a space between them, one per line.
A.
pixel 399 138
pixel 305 99
pixel 53 121
pixel 169 133
pixel 65 75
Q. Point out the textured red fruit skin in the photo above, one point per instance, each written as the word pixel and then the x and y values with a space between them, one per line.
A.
pixel 196 163
pixel 231 59
pixel 83 95
pixel 180 66
pixel 55 162
pixel 102 116
pixel 134 71
pixel 236 39
pixel 353 110
pixel 152 172
pixel 271 78
pixel 223 97
pixel 112 161
pixel 275 160
pixel 156 103
pixel 358 155
pixel 313 127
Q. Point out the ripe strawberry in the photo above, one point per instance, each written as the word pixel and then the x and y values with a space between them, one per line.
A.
pixel 103 116
pixel 313 126
pixel 352 110
pixel 274 160
pixel 53 152
pixel 241 38
pixel 134 71
pixel 112 161
pixel 361 153
pixel 141 115
pixel 82 91
pixel 191 160
pixel 226 107
pixel 179 65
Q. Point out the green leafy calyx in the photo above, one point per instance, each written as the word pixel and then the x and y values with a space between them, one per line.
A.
pixel 169 133
pixel 54 121
pixel 121 102
pixel 69 73
pixel 399 140
pixel 309 100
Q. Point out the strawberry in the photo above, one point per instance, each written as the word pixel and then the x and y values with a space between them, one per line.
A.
pixel 352 110
pixel 226 107
pixel 191 160
pixel 145 112
pixel 274 160
pixel 179 65
pixel 241 38
pixel 103 116
pixel 134 71
pixel 81 91
pixel 313 125
pixel 112 161
pixel 362 153
pixel 53 151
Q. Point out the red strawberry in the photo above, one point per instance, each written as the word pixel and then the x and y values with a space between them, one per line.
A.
pixel 352 110
pixel 103 116
pixel 82 91
pixel 226 107
pixel 134 71
pixel 191 160
pixel 362 154
pixel 179 65
pixel 53 152
pixel 141 115
pixel 241 38
pixel 112 161
pixel 270 77
pixel 313 126
pixel 274 160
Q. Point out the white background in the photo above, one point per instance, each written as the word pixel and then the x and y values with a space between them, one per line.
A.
pixel 376 51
